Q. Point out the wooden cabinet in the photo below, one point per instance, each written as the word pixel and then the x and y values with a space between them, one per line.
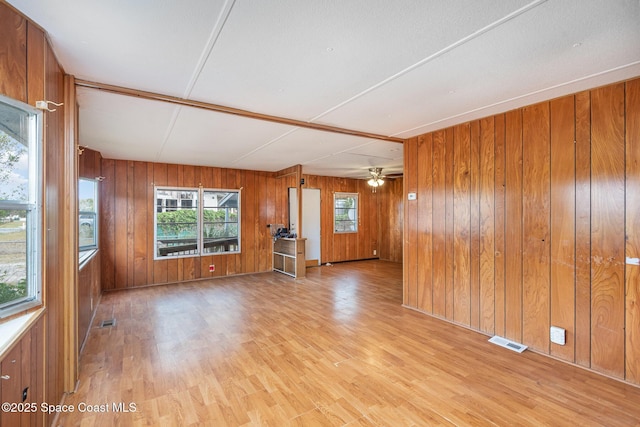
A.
pixel 289 256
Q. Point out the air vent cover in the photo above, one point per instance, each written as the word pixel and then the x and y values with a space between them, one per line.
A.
pixel 108 323
pixel 506 343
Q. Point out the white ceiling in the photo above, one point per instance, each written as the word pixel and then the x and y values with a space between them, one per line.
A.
pixel 391 67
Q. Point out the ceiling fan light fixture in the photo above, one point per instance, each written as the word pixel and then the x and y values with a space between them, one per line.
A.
pixel 376 177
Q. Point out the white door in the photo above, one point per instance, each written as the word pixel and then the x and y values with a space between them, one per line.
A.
pixel 310 220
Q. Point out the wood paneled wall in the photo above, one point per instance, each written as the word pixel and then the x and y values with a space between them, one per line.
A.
pixel 520 224
pixel 391 219
pixel 89 288
pixel 89 164
pixel 346 246
pixel 29 71
pixel 126 232
pixel 127 209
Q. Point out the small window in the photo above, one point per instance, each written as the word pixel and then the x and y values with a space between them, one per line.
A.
pixel 345 216
pixel 88 214
pixel 20 206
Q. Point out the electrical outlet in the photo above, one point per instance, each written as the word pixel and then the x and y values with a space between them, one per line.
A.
pixel 557 335
pixel 212 268
pixel 375 252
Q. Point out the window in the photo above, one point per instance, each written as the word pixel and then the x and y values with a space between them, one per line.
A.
pixel 345 215
pixel 88 210
pixel 20 195
pixel 220 221
pixel 196 222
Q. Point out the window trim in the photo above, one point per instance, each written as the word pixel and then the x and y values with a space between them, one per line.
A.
pixel 34 216
pixel 338 195
pixel 199 220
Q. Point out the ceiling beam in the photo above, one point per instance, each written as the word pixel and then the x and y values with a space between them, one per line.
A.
pixel 119 90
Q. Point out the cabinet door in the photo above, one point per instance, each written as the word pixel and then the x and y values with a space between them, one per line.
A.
pixel 10 387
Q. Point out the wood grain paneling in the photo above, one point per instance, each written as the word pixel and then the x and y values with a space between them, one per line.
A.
pixel 88 296
pixel 461 225
pixel 89 164
pixel 128 192
pixel 474 260
pixel 390 198
pixel 35 63
pixel 583 229
pixel 500 232
pixel 449 241
pixel 375 210
pixel 487 219
pixel 536 225
pixel 632 248
pixel 107 224
pixel 513 225
pixel 56 258
pixel 425 218
pixel 607 230
pixel 563 223
pixel 439 224
pixel 410 257
pixel 534 214
pixel 13 54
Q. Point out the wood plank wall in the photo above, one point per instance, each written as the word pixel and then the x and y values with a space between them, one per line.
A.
pixel 29 71
pixel 127 212
pixel 346 246
pixel 127 207
pixel 89 288
pixel 391 219
pixel 522 218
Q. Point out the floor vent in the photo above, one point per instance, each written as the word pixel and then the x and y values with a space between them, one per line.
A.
pixel 511 345
pixel 108 323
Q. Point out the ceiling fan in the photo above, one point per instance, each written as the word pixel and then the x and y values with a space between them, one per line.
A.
pixel 377 179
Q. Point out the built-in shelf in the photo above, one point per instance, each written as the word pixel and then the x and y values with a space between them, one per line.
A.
pixel 289 256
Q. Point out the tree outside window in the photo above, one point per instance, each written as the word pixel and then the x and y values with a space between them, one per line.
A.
pixel 20 189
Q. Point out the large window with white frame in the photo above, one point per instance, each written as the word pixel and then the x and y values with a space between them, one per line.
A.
pixel 345 212
pixel 196 222
pixel 20 206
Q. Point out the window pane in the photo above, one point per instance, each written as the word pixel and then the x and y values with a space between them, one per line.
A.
pixel 13 255
pixel 14 155
pixel 345 213
pixel 220 221
pixel 176 223
pixel 20 221
pixel 88 220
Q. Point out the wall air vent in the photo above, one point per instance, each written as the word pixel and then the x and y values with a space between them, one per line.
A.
pixel 108 323
pixel 511 345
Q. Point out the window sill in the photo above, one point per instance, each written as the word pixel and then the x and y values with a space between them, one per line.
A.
pixel 12 330
pixel 85 256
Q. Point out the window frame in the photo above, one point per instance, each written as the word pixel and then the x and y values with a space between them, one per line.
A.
pixel 95 213
pixel 356 209
pixel 34 214
pixel 200 208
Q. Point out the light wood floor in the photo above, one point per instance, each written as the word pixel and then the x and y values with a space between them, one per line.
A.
pixel 333 349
